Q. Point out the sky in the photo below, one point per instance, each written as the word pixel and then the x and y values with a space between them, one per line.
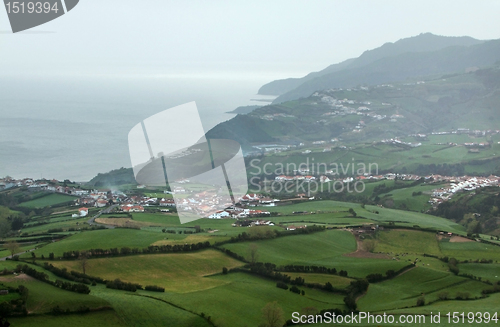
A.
pixel 256 39
pixel 63 83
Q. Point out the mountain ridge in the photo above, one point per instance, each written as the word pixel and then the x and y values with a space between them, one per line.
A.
pixel 421 43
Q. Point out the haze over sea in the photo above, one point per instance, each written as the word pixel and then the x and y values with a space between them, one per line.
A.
pixel 76 126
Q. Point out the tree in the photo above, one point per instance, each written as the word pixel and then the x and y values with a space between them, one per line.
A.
pixel 17 223
pixel 13 247
pixel 369 245
pixel 443 296
pixel 253 253
pixel 273 315
pixel 4 226
pixel 350 303
pixel 83 261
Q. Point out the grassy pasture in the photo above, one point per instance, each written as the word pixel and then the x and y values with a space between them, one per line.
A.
pixel 489 272
pixel 136 310
pixel 489 304
pixel 407 241
pixel 404 290
pixel 69 223
pixel 241 297
pixel 78 320
pixel 104 239
pixel 190 239
pixel 177 272
pixel 470 250
pixel 404 218
pixel 223 226
pixel 42 296
pixel 317 248
pixel 404 197
pixel 48 200
pixel 336 281
pixel 326 219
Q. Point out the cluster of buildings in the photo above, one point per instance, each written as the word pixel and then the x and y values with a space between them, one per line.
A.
pixel 237 212
pixel 463 183
pixel 278 115
pixel 395 141
pixel 471 132
pixel 251 223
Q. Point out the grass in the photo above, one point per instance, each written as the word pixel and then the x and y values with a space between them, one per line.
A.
pixel 385 215
pixel 48 200
pixel 241 297
pixel 43 297
pixel 403 198
pixel 404 290
pixel 489 304
pixel 176 272
pixel 470 250
pixel 339 219
pixel 68 223
pixel 361 267
pixel 79 320
pixel 489 272
pixel 173 239
pixel 316 249
pixel 335 280
pixel 135 310
pixel 171 221
pixel 103 239
pixel 407 241
pixel 310 206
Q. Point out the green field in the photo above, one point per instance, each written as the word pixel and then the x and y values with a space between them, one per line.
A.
pixel 407 241
pixel 404 198
pixel 102 239
pixel 489 272
pixel 299 249
pixel 42 296
pixel 176 272
pixel 336 281
pixel 404 290
pixel 136 310
pixel 81 320
pixel 470 250
pixel 67 223
pixel 338 209
pixel 240 298
pixel 48 200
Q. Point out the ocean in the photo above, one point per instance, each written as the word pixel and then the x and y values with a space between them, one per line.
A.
pixel 74 127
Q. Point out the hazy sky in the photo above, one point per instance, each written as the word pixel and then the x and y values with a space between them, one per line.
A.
pixel 264 39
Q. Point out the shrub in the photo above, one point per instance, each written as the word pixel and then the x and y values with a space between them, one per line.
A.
pixel 443 296
pixel 154 288
pixel 462 296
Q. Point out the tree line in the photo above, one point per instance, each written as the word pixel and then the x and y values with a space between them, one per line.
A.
pixel 113 252
pixel 43 277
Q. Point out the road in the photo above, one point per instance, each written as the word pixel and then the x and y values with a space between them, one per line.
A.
pixel 91 221
pixel 3 259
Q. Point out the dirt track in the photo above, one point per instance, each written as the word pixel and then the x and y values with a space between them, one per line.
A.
pixel 362 253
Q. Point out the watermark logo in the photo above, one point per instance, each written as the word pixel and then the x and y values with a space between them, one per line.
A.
pixel 26 14
pixel 205 176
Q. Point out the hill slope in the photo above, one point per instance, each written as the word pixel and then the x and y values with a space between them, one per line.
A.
pixel 401 67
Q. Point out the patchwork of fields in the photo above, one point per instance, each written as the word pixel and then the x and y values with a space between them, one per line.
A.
pixel 198 293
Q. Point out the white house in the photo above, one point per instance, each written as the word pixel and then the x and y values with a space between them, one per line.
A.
pixel 219 215
pixel 83 212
